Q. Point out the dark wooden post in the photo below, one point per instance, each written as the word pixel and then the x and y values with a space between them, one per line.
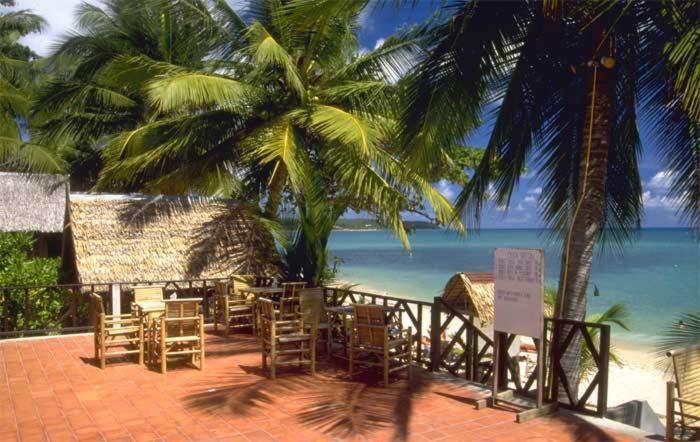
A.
pixel 604 365
pixel 554 380
pixel 469 361
pixel 25 323
pixel 435 342
pixel 503 360
pixel 419 334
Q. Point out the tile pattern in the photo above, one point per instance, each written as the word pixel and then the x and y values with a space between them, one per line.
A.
pixel 50 389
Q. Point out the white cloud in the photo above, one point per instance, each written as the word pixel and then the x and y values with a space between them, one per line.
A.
pixel 446 189
pixel 537 191
pixel 60 16
pixel 661 181
pixel 660 202
pixel 378 43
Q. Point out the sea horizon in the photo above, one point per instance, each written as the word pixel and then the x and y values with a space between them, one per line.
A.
pixel 656 276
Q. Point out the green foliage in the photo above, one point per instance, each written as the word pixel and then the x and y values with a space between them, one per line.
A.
pixel 252 110
pixel 681 332
pixel 18 269
pixel 18 80
pixel 616 314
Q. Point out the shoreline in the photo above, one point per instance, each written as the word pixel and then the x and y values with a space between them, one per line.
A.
pixel 639 377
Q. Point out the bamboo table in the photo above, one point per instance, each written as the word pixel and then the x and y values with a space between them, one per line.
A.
pixel 148 311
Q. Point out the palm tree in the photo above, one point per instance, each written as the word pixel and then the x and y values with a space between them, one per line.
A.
pixel 94 93
pixel 565 81
pixel 18 75
pixel 268 108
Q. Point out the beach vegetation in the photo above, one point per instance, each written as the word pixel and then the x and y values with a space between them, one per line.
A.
pixel 18 268
pixel 680 332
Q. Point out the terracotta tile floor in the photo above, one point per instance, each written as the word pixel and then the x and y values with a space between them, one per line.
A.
pixel 50 390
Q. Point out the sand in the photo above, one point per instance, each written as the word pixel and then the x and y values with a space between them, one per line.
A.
pixel 638 379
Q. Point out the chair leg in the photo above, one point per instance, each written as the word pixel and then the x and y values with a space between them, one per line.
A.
pixel 313 356
pixel 97 345
pixel 103 357
pixel 163 349
pixel 141 344
pixel 201 342
pixel 386 366
pixel 227 324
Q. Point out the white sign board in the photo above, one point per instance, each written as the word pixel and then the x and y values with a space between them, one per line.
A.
pixel 519 286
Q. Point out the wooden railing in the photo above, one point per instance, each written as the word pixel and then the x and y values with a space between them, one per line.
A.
pixel 64 308
pixel 468 353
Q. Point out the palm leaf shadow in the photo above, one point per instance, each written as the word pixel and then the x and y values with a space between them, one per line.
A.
pixel 333 406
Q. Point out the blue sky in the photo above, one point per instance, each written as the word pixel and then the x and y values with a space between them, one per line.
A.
pixel 377 24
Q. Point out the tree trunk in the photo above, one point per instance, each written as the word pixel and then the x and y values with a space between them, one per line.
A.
pixel 275 189
pixel 588 220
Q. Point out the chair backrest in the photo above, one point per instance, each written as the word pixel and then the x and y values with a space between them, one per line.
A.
pixel 96 303
pixel 181 308
pixel 221 288
pixel 312 305
pixel 686 367
pixel 369 324
pixel 241 281
pixel 148 293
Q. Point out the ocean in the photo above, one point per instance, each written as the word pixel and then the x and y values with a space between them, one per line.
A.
pixel 656 277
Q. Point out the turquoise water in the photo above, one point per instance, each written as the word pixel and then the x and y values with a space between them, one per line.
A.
pixel 656 277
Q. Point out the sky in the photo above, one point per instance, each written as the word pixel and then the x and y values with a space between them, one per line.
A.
pixel 376 25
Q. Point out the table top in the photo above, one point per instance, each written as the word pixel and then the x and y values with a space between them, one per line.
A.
pixel 150 306
pixel 261 290
pixel 348 309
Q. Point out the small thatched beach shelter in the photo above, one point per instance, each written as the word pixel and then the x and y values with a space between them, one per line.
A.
pixel 145 238
pixel 472 294
pixel 36 204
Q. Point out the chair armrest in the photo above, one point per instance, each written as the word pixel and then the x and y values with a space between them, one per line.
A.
pixel 123 321
pixel 125 315
pixel 186 318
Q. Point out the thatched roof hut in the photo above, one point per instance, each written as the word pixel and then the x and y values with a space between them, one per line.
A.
pixel 139 238
pixel 33 202
pixel 472 293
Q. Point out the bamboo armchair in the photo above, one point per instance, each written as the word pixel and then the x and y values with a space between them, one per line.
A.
pixel 313 314
pixel 263 281
pixel 147 293
pixel 115 331
pixel 180 331
pixel 373 338
pixel 285 342
pixel 232 309
pixel 686 370
pixel 289 306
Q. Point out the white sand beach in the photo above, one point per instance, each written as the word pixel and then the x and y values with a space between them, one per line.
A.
pixel 639 378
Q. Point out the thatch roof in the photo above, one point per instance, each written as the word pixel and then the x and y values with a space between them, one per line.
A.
pixel 137 238
pixel 32 202
pixel 472 293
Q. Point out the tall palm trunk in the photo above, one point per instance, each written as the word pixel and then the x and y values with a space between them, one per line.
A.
pixel 275 189
pixel 588 217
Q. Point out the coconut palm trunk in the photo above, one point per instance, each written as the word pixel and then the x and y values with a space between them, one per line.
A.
pixel 588 216
pixel 275 189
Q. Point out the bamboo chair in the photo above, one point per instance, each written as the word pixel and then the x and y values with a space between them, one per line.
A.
pixel 313 313
pixel 285 343
pixel 373 338
pixel 289 306
pixel 115 331
pixel 232 309
pixel 686 370
pixel 180 332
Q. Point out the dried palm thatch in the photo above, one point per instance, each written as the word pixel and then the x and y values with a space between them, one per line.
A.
pixel 32 202
pixel 137 238
pixel 472 293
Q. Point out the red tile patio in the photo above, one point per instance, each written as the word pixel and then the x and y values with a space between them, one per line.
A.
pixel 51 390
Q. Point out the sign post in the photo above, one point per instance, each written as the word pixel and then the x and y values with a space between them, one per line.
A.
pixel 519 310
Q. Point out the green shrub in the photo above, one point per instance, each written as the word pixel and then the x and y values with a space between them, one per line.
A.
pixel 18 268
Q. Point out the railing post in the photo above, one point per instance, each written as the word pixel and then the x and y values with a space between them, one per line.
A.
pixel 419 336
pixel 25 323
pixel 604 365
pixel 670 408
pixel 6 310
pixel 554 380
pixel 435 335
